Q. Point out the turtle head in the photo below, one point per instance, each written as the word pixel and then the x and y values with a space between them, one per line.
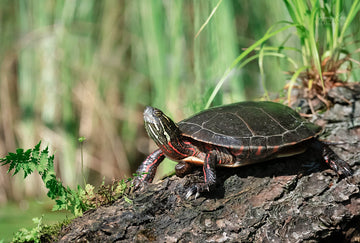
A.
pixel 160 127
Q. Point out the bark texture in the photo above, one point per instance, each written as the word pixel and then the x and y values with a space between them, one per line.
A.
pixel 293 199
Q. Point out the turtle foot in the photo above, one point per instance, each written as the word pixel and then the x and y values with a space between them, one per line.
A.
pixel 197 189
pixel 341 167
pixel 138 184
pixel 335 163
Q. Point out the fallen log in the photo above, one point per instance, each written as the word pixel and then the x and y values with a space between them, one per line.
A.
pixel 292 199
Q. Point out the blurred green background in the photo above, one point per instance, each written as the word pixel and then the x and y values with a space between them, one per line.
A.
pixel 87 68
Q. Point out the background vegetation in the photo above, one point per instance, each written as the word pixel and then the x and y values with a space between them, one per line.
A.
pixel 88 68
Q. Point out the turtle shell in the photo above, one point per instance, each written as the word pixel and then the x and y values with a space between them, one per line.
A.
pixel 249 124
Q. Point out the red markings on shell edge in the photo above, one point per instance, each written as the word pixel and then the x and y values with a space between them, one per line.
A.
pixel 259 149
pixel 239 151
pixel 275 149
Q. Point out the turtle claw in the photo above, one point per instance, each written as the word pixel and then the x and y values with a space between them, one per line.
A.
pixel 138 184
pixel 196 189
pixel 191 191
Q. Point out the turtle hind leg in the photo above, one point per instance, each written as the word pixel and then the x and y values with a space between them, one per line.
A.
pixel 335 163
pixel 209 176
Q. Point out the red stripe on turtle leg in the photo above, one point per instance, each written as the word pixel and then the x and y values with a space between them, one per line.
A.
pixel 150 165
pixel 209 169
pixel 205 167
pixel 209 176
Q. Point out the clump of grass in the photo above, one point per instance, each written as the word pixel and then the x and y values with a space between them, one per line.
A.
pixel 321 28
pixel 108 193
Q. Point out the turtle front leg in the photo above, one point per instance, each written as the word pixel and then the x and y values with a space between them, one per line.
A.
pixel 209 176
pixel 147 170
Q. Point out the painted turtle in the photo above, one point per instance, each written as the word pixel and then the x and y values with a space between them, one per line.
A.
pixel 231 135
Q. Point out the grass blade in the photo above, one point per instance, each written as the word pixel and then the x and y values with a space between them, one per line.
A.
pixel 268 35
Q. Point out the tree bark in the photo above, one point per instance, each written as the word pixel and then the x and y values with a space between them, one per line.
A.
pixel 293 199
